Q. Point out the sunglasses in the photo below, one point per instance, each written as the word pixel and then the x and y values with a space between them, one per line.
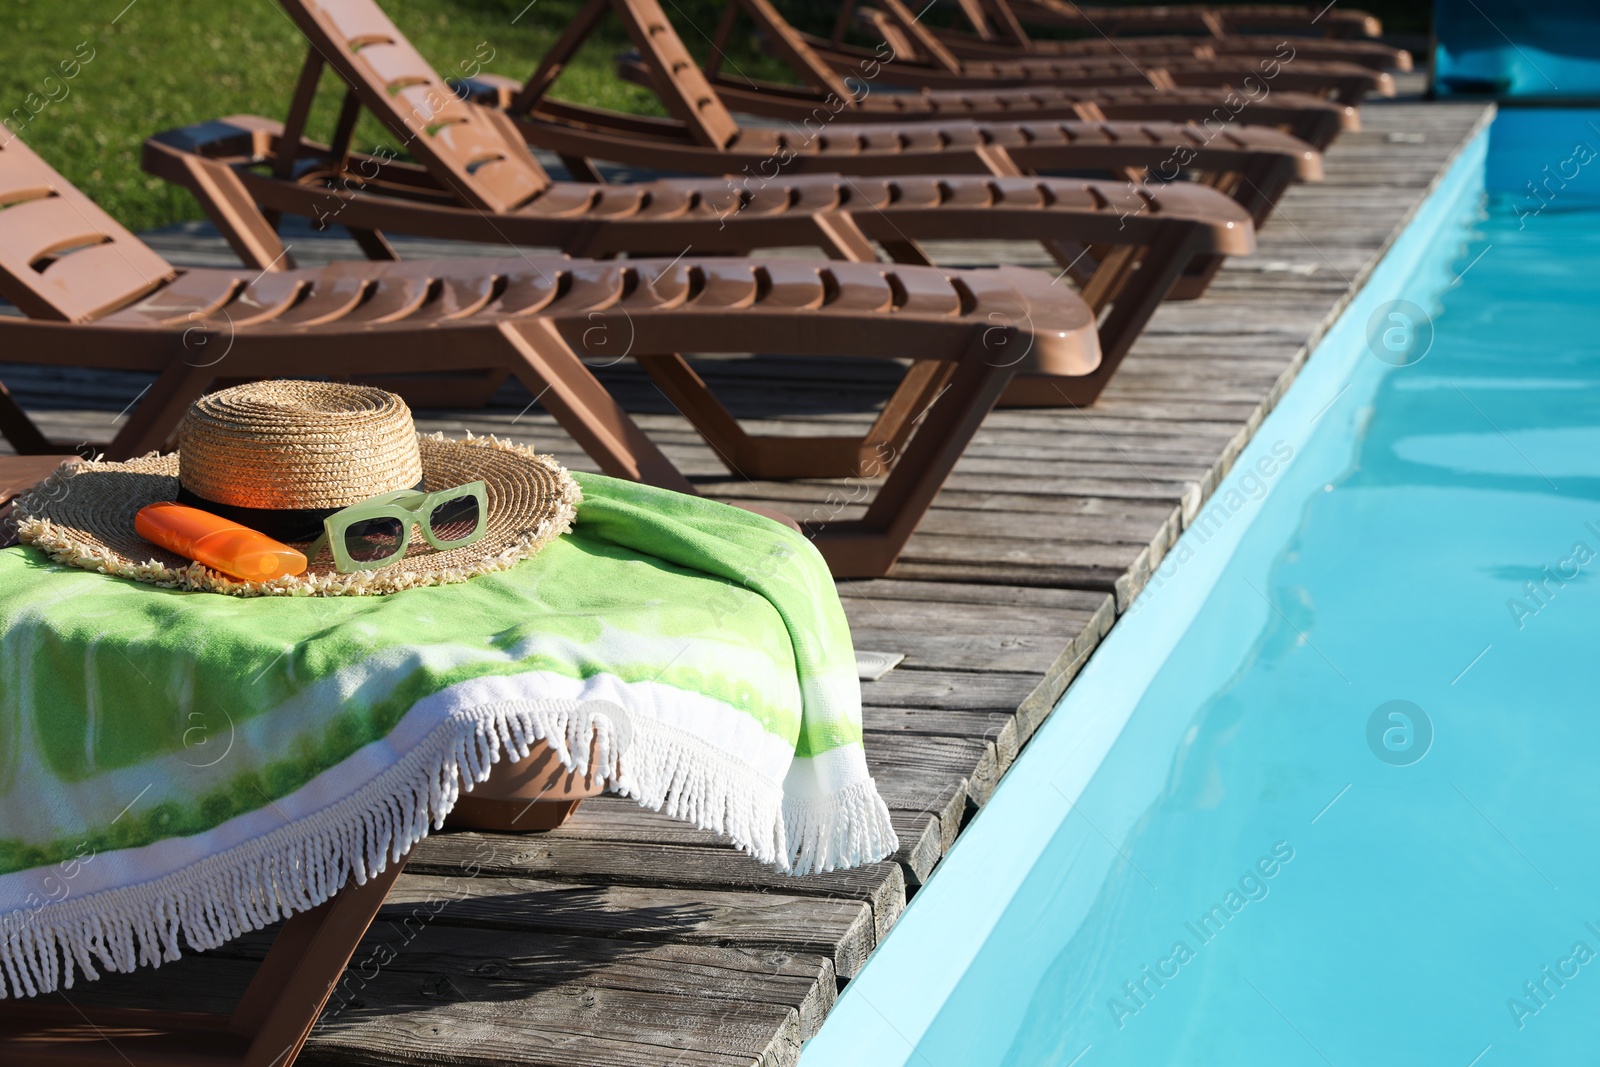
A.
pixel 376 532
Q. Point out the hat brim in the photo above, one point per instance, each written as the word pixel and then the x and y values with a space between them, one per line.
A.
pixel 83 516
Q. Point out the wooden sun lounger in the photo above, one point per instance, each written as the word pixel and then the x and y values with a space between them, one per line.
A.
pixel 1252 165
pixel 1219 21
pixel 372 56
pixel 997 29
pixel 825 91
pixel 97 296
pixel 922 61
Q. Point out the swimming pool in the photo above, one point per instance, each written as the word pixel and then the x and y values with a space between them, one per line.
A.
pixel 1328 794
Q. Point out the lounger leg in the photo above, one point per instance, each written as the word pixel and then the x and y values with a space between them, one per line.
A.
pixel 16 427
pixel 918 390
pixel 869 548
pixel 1134 296
pixel 750 455
pixel 842 238
pixel 155 418
pixel 559 380
pixel 580 169
pixel 301 971
pixel 1257 189
pixel 231 208
pixel 374 245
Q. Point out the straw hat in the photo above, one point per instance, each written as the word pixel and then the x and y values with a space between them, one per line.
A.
pixel 279 456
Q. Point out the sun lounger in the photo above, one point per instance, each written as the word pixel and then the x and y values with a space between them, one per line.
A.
pixel 923 61
pixel 97 296
pixel 998 29
pixel 1311 119
pixel 1223 20
pixel 1252 164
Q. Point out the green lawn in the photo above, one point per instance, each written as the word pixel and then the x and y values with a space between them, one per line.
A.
pixel 84 86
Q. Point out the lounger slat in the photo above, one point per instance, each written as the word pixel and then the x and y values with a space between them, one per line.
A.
pixel 595 286
pixel 860 292
pixel 924 295
pixel 330 299
pixel 266 297
pixel 422 106
pixel 909 193
pixel 807 197
pixel 728 285
pixel 395 64
pixel 668 200
pixel 357 20
pixel 391 298
pixel 774 198
pixel 34 229
pixel 575 199
pixel 794 284
pixel 660 286
pixel 193 297
pixel 459 293
pixel 526 294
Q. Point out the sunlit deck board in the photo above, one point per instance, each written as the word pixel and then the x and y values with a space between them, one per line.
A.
pixel 627 938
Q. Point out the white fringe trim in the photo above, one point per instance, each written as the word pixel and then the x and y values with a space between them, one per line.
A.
pixel 297 867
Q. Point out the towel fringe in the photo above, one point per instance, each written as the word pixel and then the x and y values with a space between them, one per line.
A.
pixel 300 866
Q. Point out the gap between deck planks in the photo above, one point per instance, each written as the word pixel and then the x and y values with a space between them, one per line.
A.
pixel 628 938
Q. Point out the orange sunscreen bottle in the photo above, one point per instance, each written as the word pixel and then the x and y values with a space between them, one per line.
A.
pixel 222 545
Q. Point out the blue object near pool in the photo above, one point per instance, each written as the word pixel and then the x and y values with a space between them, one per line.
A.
pixel 1328 793
pixel 1547 49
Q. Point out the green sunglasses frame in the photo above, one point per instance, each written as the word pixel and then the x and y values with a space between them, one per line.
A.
pixel 411 507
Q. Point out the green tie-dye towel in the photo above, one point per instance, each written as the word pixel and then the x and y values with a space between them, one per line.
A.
pixel 186 767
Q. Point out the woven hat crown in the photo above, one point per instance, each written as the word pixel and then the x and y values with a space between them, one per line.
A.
pixel 294 445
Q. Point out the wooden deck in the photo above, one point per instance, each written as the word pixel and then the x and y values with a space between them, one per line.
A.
pixel 628 939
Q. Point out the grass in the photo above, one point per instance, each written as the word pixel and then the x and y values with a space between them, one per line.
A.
pixel 84 86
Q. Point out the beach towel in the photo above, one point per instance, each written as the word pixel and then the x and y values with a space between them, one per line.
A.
pixel 178 768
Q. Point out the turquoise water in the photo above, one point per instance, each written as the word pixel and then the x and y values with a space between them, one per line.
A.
pixel 1353 817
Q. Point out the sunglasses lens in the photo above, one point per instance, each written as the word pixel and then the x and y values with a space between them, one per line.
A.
pixel 373 539
pixel 455 520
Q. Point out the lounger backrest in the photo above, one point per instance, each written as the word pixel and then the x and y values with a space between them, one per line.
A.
pixel 476 151
pixel 61 257
pixel 679 81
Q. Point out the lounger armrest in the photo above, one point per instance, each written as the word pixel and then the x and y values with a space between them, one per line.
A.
pixel 489 90
pixel 201 159
pixel 232 137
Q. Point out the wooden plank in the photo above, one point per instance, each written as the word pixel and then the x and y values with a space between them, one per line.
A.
pixel 834 928
pixel 880 885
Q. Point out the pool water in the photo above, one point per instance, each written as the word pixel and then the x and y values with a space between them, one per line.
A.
pixel 1354 816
